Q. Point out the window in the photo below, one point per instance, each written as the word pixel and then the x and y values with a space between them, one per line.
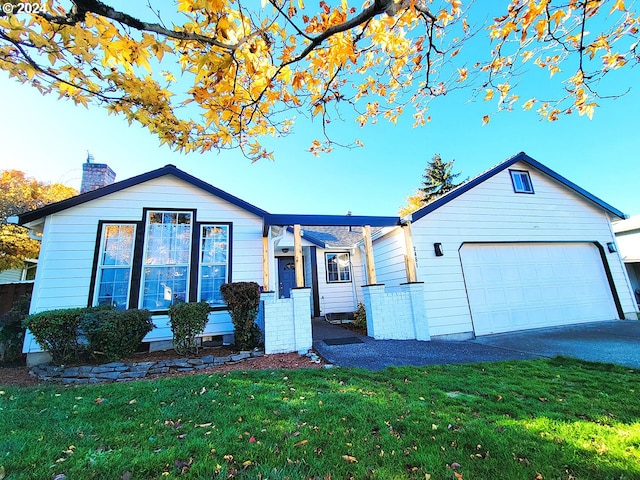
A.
pixel 214 255
pixel 521 181
pixel 338 267
pixel 166 259
pixel 114 265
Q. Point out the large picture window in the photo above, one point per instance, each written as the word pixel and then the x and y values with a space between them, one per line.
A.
pixel 167 254
pixel 114 265
pixel 338 267
pixel 214 256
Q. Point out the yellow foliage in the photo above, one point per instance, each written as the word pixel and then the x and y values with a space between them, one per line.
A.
pixel 244 66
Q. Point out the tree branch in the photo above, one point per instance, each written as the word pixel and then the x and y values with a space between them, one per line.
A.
pixel 82 7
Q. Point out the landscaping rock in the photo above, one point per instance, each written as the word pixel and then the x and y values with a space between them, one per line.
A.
pixel 120 371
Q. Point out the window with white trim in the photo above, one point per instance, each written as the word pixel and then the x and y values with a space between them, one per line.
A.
pixel 114 265
pixel 521 181
pixel 338 267
pixel 166 259
pixel 214 257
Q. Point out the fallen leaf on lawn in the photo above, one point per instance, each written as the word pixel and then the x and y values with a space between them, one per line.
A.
pixel 203 391
pixel 455 465
pixel 252 439
pixel 99 400
pixel 498 397
pixel 349 458
pixel 228 458
pixel 302 442
pixel 60 476
pixel 181 436
pixel 2 472
pixel 427 476
pixel 247 463
pixel 543 399
pixel 202 425
pixel 458 475
pixel 131 402
pixel 539 476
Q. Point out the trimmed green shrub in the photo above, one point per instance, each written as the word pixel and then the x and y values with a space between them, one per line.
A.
pixel 243 301
pixel 187 322
pixel 12 330
pixel 360 317
pixel 57 332
pixel 115 334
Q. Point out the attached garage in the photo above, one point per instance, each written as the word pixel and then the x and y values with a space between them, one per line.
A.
pixel 516 286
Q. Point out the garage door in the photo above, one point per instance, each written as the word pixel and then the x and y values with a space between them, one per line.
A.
pixel 520 286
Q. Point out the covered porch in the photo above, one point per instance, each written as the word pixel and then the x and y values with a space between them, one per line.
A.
pixel 305 276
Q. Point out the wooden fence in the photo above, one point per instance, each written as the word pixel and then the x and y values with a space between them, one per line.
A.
pixel 10 292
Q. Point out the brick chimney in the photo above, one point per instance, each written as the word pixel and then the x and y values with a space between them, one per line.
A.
pixel 95 175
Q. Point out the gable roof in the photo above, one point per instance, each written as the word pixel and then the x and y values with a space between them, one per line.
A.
pixel 520 157
pixel 268 218
pixel 130 182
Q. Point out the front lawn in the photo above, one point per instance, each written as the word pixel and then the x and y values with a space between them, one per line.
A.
pixel 542 419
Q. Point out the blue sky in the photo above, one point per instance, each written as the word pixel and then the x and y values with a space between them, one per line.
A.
pixel 49 139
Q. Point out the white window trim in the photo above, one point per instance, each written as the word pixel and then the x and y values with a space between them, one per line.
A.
pixel 201 264
pixel 143 265
pixel 326 266
pixel 100 266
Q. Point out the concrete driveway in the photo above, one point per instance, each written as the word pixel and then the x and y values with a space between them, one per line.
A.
pixel 615 341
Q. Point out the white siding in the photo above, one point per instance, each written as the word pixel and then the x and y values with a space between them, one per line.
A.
pixel 629 245
pixel 341 296
pixel 69 240
pixel 389 258
pixel 491 212
pixel 12 275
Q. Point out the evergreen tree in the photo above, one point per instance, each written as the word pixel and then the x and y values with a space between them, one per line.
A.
pixel 438 179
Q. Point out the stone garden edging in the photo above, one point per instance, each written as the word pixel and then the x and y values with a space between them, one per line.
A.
pixel 124 371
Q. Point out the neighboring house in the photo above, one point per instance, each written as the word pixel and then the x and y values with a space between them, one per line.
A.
pixel 628 238
pixel 516 247
pixel 25 274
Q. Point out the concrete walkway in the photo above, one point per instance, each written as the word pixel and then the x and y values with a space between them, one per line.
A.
pixel 611 342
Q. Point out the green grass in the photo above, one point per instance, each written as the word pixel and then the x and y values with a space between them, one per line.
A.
pixel 549 419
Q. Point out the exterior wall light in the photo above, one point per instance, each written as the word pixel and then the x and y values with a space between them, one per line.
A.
pixel 437 248
pixel 612 247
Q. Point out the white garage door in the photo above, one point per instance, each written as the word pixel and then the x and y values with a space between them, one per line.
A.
pixel 520 286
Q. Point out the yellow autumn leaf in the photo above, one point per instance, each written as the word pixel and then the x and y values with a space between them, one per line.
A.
pixel 489 94
pixel 485 119
pixel 619 5
pixel 349 459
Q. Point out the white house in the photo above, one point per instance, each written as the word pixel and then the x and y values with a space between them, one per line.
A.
pixel 628 238
pixel 516 247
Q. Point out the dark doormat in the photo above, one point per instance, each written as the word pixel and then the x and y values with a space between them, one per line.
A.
pixel 342 341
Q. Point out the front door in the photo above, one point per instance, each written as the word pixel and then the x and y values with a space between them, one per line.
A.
pixel 286 276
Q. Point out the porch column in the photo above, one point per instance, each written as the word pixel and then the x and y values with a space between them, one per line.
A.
pixel 297 252
pixel 265 264
pixel 411 257
pixel 368 252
